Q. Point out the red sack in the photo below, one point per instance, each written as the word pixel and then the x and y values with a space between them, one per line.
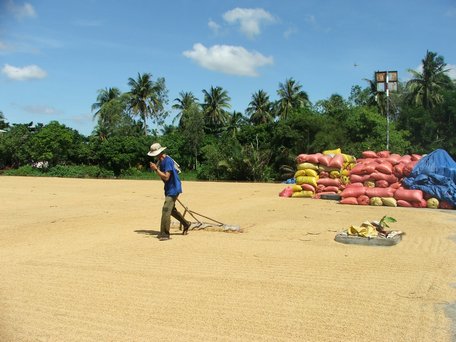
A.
pixel 329 182
pixel 380 192
pixel 420 204
pixel 363 200
pixel 394 158
pixel 409 195
pixel 402 203
pixel 349 200
pixel 445 205
pixel 381 183
pixel 369 154
pixel 308 187
pixel 337 161
pixel 302 158
pixel 287 192
pixel 396 185
pixel 381 176
pixel 353 191
pixel 398 170
pixel 409 167
pixel 331 188
pixel 313 158
pixel 416 157
pixel 405 159
pixel 324 160
pixel 359 178
pixel 385 167
pixel 384 154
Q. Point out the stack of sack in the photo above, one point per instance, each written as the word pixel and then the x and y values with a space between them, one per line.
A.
pixel 377 180
pixel 322 173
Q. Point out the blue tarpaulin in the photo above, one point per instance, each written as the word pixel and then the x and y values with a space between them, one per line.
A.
pixel 435 174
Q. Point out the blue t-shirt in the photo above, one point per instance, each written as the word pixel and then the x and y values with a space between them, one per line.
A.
pixel 173 186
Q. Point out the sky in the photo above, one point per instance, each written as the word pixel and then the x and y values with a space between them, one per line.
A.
pixel 56 55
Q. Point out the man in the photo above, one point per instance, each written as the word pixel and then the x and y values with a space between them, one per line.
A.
pixel 166 170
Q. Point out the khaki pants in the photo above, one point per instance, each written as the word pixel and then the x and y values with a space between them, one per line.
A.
pixel 169 209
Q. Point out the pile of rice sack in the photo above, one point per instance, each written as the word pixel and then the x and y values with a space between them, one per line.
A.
pixel 375 179
pixel 320 173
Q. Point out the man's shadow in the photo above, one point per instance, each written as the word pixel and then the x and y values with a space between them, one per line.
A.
pixel 152 232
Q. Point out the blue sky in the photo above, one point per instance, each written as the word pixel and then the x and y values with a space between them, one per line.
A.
pixel 55 55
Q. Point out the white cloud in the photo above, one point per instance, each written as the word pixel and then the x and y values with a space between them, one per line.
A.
pixel 291 31
pixel 234 60
pixel 41 109
pixel 452 71
pixel 214 26
pixel 249 19
pixel 21 11
pixel 22 74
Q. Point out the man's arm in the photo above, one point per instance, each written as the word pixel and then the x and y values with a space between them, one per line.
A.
pixel 163 175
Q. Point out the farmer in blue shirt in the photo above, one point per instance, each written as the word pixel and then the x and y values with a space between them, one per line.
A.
pixel 166 170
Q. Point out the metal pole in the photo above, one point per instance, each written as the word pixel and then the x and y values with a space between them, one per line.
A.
pixel 387 113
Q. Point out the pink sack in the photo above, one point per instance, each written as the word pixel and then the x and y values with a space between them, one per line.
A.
pixel 384 154
pixel 369 154
pixel 416 157
pixel 329 182
pixel 363 200
pixel 324 160
pixel 409 167
pixel 353 191
pixel 393 159
pixel 331 188
pixel 287 192
pixel 408 195
pixel 302 158
pixel 337 161
pixel 398 170
pixel 308 187
pixel 445 205
pixel 420 204
pixel 349 200
pixel 381 183
pixel 402 203
pixel 385 167
pixel 313 158
pixel 380 192
pixel 359 178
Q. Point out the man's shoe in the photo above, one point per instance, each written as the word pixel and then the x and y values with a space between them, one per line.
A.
pixel 186 227
pixel 163 238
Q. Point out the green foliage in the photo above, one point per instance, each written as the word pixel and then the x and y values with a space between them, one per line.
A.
pixel 79 171
pixel 26 170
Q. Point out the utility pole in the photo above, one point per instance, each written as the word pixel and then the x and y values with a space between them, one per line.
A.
pixel 386 83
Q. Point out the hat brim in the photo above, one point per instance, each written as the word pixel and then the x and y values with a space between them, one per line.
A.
pixel 156 153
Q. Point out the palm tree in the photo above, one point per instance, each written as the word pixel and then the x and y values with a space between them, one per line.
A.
pixel 425 87
pixel 235 121
pixel 183 104
pixel 260 108
pixel 3 123
pixel 104 96
pixel 290 97
pixel 216 101
pixel 144 99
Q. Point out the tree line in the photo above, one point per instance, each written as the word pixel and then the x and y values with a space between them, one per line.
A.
pixel 219 144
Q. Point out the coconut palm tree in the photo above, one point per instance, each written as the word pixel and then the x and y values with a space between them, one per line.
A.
pixel 143 97
pixel 104 96
pixel 425 88
pixel 260 108
pixel 290 97
pixel 235 121
pixel 183 104
pixel 216 101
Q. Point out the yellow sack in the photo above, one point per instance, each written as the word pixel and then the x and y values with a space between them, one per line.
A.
pixel 311 173
pixel 348 158
pixel 300 173
pixel 365 230
pixel 334 174
pixel 296 188
pixel 432 203
pixel 389 201
pixel 304 193
pixel 345 172
pixel 336 151
pixel 307 180
pixel 377 201
pixel 304 166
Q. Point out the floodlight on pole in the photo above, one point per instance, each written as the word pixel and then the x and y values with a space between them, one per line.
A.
pixel 386 82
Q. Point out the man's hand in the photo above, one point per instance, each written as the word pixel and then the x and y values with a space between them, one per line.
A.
pixel 153 166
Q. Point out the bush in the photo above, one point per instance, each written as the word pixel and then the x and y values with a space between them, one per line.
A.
pixel 79 171
pixel 26 170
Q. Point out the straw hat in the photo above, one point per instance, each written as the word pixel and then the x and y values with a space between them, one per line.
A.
pixel 155 150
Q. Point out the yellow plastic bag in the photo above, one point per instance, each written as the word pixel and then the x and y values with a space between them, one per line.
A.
pixel 304 193
pixel 365 230
pixel 389 201
pixel 311 173
pixel 304 166
pixel 299 173
pixel 307 180
pixel 296 188
pixel 335 151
